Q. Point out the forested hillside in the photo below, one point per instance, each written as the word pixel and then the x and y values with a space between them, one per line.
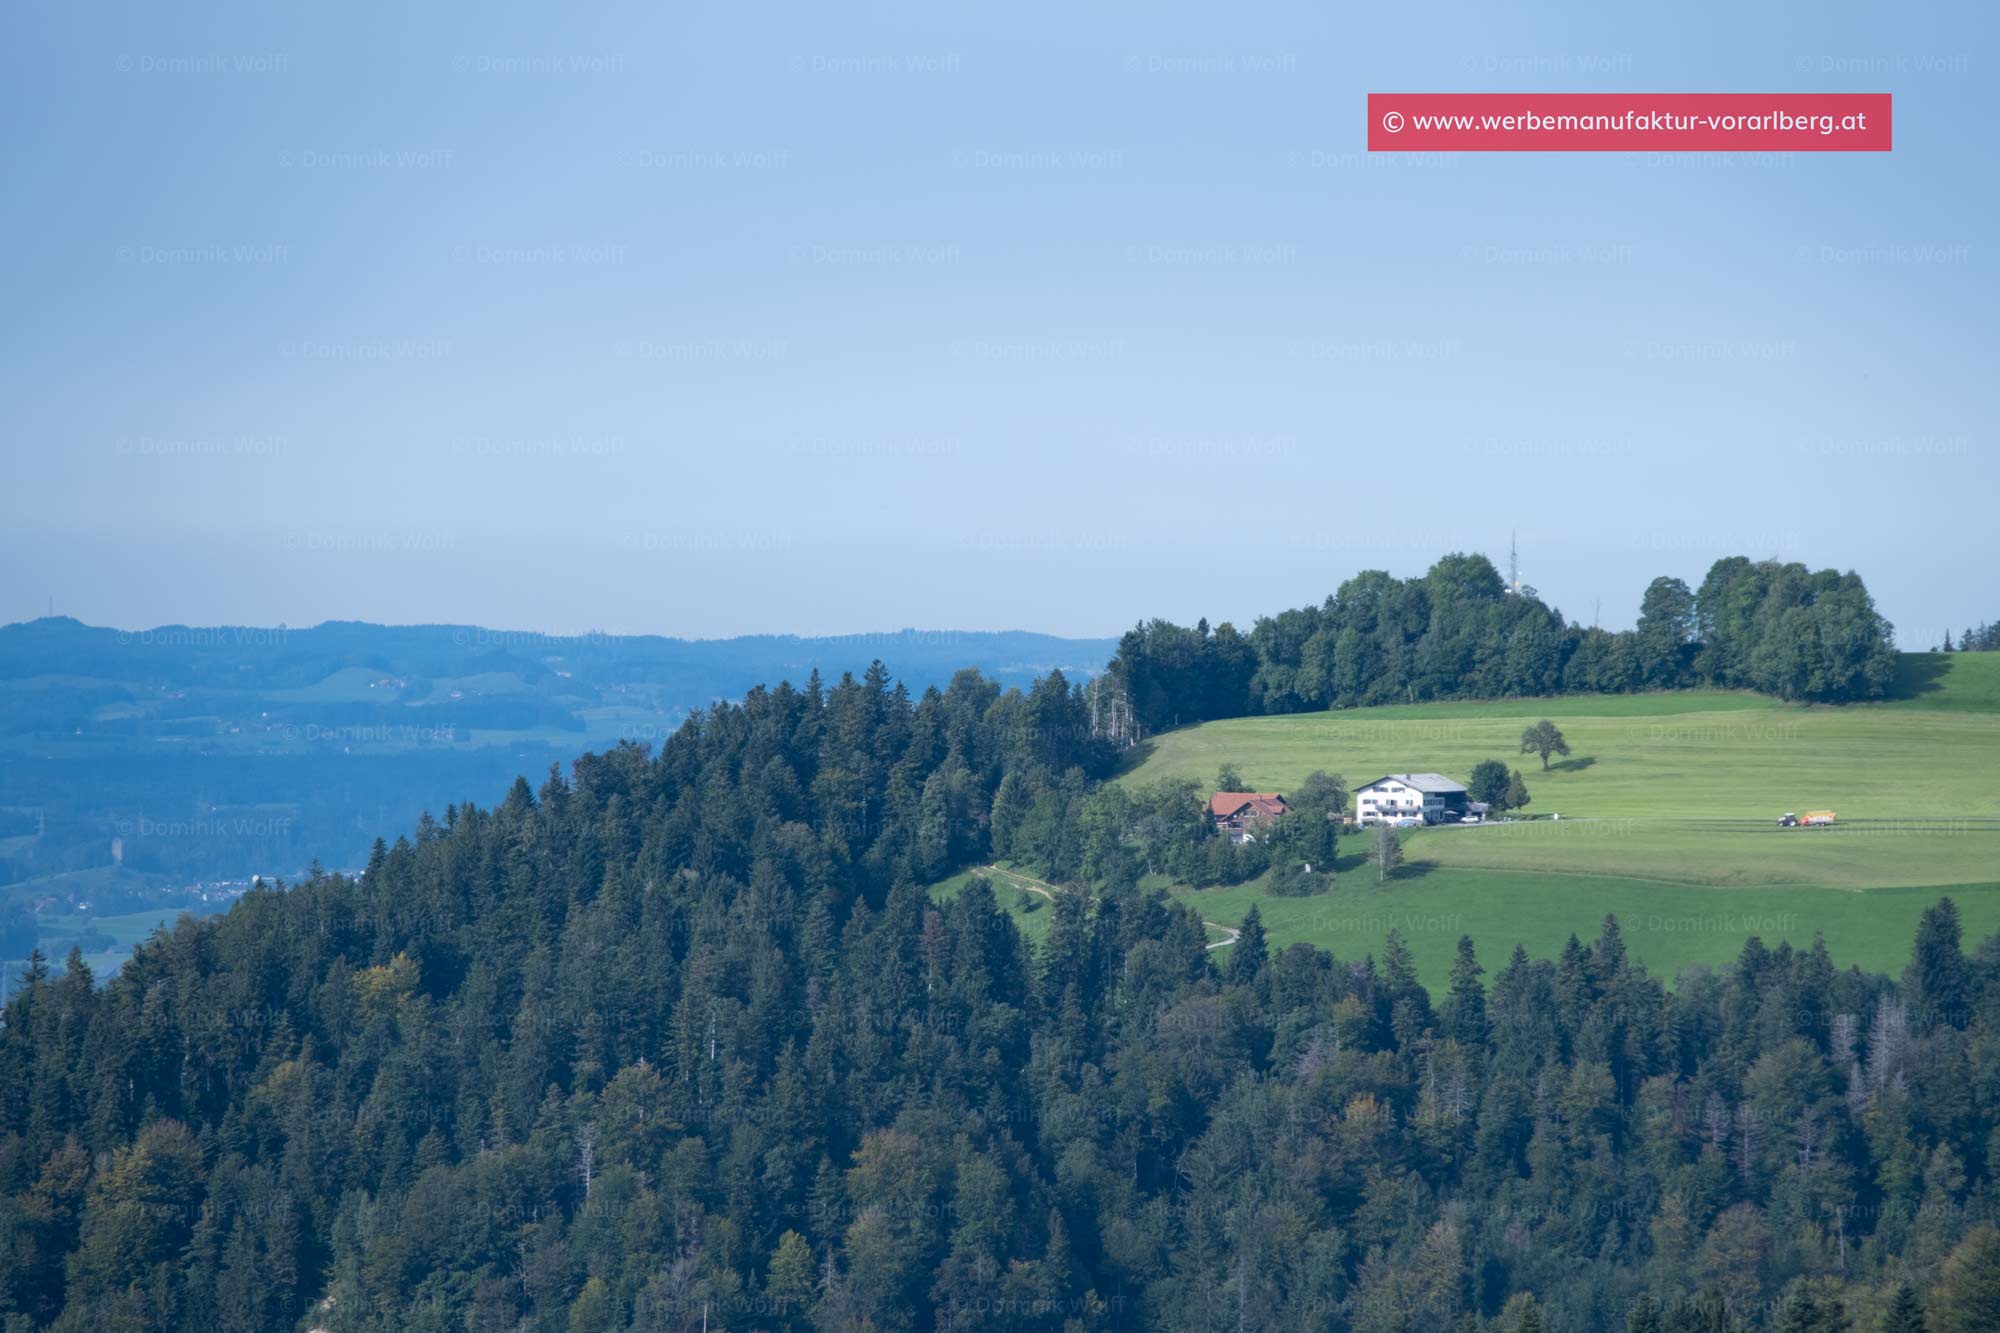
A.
pixel 1459 632
pixel 681 1041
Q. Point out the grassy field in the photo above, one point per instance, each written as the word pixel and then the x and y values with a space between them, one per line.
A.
pixel 1669 803
pixel 1667 925
pixel 1675 756
pixel 1955 682
pixel 105 941
pixel 1029 910
pixel 1854 854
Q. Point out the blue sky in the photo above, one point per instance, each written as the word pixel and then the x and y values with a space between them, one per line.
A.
pixel 717 318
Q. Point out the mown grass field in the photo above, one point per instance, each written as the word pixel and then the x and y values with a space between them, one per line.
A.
pixel 1694 755
pixel 1029 910
pixel 1669 803
pixel 1854 854
pixel 1667 925
pixel 105 941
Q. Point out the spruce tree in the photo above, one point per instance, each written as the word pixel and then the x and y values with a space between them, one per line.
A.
pixel 1905 1313
pixel 1248 955
pixel 1465 1012
pixel 1803 1312
pixel 1938 980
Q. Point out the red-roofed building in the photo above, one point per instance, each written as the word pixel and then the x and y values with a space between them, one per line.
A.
pixel 1237 813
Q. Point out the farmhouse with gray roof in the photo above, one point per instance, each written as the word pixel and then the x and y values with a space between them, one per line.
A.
pixel 1430 797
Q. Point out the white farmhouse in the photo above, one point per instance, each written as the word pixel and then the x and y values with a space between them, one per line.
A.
pixel 1430 797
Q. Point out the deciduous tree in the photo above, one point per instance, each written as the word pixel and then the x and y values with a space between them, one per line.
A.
pixel 1386 851
pixel 1544 739
pixel 1488 783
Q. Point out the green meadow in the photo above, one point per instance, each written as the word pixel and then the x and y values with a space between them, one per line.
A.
pixel 1029 910
pixel 1667 925
pixel 1694 755
pixel 1669 805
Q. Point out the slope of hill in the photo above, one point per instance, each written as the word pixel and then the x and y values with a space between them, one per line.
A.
pixel 1954 682
pixel 678 1041
pixel 1668 800
pixel 1697 754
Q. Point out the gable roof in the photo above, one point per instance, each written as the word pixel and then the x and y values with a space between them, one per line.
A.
pixel 1226 803
pixel 1436 783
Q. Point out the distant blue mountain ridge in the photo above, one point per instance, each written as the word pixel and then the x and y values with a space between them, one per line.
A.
pixel 160 758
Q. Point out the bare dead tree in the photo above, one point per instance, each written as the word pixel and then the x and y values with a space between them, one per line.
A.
pixel 586 1154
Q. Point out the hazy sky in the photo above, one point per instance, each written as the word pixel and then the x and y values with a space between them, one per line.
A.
pixel 711 318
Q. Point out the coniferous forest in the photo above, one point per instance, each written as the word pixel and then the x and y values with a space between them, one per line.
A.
pixel 679 1041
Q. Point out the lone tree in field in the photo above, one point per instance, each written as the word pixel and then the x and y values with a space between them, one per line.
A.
pixel 1517 792
pixel 1488 784
pixel 1387 853
pixel 1544 739
pixel 1229 779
